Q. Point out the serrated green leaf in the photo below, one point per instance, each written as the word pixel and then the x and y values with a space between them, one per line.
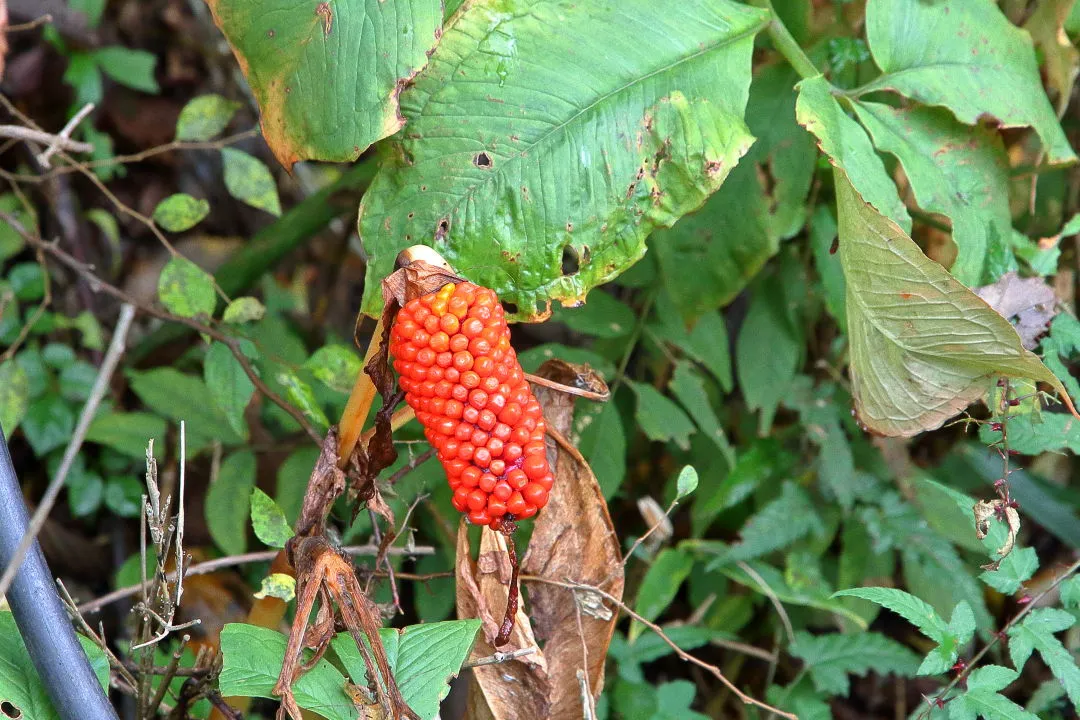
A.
pixel 660 585
pixel 204 117
pixel 1013 571
pixel 268 520
pixel 131 68
pixel 954 170
pixel 849 148
pixel 14 396
pixel 243 310
pixel 630 126
pixel 228 500
pixel 922 345
pixel 328 79
pixel 180 212
pixel 659 418
pixel 915 611
pixel 228 385
pixel 335 366
pixel 249 180
pixel 688 387
pixel 831 658
pixel 252 659
pixel 777 525
pixel 1036 632
pixel 186 289
pixel 966 56
pixel 983 699
pixel 424 659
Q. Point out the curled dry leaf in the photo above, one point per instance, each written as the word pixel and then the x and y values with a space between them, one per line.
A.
pixel 573 541
pixel 519 689
pixel 985 511
pixel 1029 303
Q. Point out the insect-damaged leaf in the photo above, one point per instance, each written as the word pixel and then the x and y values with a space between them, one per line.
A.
pixel 327 75
pixel 508 168
pixel 922 345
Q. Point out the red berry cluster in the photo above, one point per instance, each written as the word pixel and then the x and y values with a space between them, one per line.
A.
pixel 462 378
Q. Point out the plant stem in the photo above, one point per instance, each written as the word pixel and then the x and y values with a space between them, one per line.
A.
pixel 785 44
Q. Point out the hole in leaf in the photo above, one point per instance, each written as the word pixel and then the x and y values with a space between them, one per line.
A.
pixel 10 711
pixel 509 308
pixel 570 264
pixel 442 229
pixel 482 159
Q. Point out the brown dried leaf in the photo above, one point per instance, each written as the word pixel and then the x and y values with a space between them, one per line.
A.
pixel 573 540
pixel 1029 300
pixel 414 280
pixel 520 688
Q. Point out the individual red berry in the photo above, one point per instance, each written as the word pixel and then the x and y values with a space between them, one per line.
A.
pixel 452 352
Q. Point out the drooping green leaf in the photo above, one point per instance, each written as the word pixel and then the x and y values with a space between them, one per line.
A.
pixel 967 56
pixel 777 525
pixel 603 444
pixel 659 417
pixel 300 394
pixel 186 289
pixel 708 257
pixel 131 68
pixel 335 366
pixel 180 212
pixel 641 137
pixel 229 386
pixel 128 433
pixel 823 240
pixel 708 344
pixel 688 387
pixel 922 345
pixel 958 171
pixel 849 148
pixel 14 396
pixel 252 659
pixel 249 180
pixel 831 658
pixel 984 699
pixel 424 659
pixel 204 117
pixel 1036 632
pixel 327 77
pixel 20 685
pixel 660 585
pixel 768 350
pixel 268 520
pixel 228 500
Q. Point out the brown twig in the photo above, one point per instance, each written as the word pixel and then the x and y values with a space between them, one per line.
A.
pixel 568 389
pixel 18 132
pixel 210 566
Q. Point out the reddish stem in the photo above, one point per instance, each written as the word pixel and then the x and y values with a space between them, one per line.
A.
pixel 507 528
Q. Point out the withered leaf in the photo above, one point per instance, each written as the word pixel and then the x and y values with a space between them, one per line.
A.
pixel 520 688
pixel 574 541
pixel 1029 303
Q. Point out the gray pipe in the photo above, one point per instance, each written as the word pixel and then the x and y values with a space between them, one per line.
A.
pixel 40 615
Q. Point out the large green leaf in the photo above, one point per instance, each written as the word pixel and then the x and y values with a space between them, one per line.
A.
pixel 965 55
pixel 526 146
pixel 327 75
pixel 923 346
pixel 954 170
